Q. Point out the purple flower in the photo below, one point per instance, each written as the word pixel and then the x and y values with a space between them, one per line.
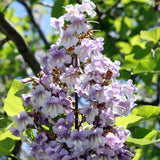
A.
pixel 70 77
pixel 106 117
pixel 68 39
pixel 91 75
pixel 113 141
pixel 47 81
pixel 129 89
pixel 45 65
pixel 98 46
pixel 23 120
pixel 78 142
pixel 97 93
pixel 58 57
pixel 26 99
pixel 39 96
pixel 15 132
pixel 57 23
pixel 90 112
pixel 88 6
pixel 78 24
pixel 53 107
pixel 64 100
pixel 95 138
pixel 41 138
pixel 71 11
pixel 85 49
pixel 62 128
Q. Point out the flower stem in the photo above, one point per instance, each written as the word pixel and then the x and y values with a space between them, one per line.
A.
pixel 76 100
pixel 76 111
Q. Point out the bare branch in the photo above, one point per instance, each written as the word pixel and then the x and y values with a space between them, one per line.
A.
pixel 141 102
pixel 78 1
pixel 9 30
pixel 2 42
pixel 158 90
pixel 30 13
pixel 45 4
pixel 115 5
pixel 7 6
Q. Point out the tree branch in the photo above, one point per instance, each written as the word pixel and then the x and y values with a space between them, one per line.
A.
pixel 2 42
pixel 158 90
pixel 30 13
pixel 141 102
pixel 115 5
pixel 45 4
pixel 8 29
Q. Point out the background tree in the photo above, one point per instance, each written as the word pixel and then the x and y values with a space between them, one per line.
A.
pixel 132 35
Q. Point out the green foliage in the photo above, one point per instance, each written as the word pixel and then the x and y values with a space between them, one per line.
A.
pixel 6 146
pixel 146 111
pixel 151 35
pixel 13 103
pixel 57 9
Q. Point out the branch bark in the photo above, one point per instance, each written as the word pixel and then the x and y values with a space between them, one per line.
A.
pixel 30 13
pixel 2 42
pixel 9 30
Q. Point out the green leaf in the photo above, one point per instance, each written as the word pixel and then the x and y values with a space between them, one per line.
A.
pixel 152 35
pixel 7 134
pixel 57 9
pixel 146 111
pixel 145 65
pixel 13 103
pixel 157 59
pixel 138 154
pixel 6 147
pixel 139 52
pixel 32 2
pixel 142 141
pixel 129 121
pixel 4 121
pixel 157 54
pixel 139 133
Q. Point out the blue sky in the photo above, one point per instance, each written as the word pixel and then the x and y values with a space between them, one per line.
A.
pixel 20 11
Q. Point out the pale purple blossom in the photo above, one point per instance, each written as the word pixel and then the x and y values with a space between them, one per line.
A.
pixel 97 93
pixel 57 23
pixel 75 66
pixel 88 6
pixel 39 96
pixel 53 107
pixel 85 49
pixel 78 24
pixel 70 77
pixel 90 112
pixel 58 57
pixel 23 120
pixel 78 142
pixel 68 39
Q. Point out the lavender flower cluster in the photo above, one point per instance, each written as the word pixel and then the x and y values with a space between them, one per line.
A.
pixel 75 71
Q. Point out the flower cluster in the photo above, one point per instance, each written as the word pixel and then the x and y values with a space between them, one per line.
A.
pixel 72 106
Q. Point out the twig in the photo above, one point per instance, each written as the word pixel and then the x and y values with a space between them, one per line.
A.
pixel 158 90
pixel 141 102
pixel 29 10
pixel 2 42
pixel 9 30
pixel 45 4
pixel 76 102
pixel 7 6
pixel 109 9
pixel 78 1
